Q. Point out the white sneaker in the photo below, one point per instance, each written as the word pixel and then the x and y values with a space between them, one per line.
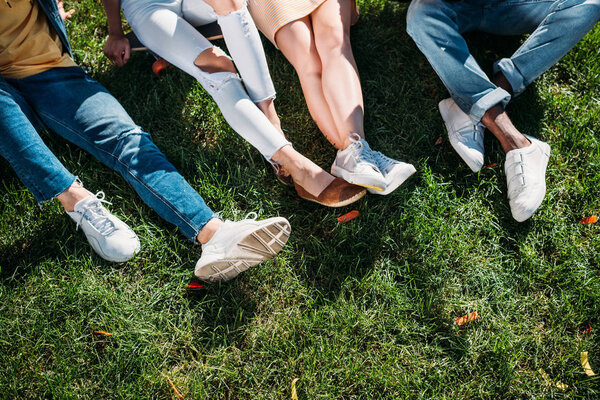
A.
pixel 525 176
pixel 465 137
pixel 110 237
pixel 355 164
pixel 394 172
pixel 237 246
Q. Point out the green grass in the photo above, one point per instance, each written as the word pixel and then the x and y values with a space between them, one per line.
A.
pixel 363 310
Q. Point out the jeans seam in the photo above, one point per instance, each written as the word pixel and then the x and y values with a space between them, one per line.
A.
pixel 544 21
pixel 184 219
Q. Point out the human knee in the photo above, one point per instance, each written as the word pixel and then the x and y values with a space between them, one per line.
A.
pixel 129 144
pixel 331 39
pixel 224 7
pixel 309 65
pixel 421 14
pixel 592 11
pixel 214 60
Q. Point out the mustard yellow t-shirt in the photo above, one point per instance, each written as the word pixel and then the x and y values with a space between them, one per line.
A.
pixel 28 45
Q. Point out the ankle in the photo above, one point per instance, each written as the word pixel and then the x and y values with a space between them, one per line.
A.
pixel 515 142
pixel 73 195
pixel 208 231
pixel 497 121
pixel 344 144
pixel 291 161
pixel 500 80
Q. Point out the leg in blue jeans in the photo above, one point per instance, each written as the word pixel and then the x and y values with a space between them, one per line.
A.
pixel 564 25
pixel 437 27
pixel 82 111
pixel 22 147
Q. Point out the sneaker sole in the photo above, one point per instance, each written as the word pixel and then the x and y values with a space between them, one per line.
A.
pixel 260 245
pixel 98 249
pixel 474 166
pixel 407 174
pixel 342 203
pixel 352 178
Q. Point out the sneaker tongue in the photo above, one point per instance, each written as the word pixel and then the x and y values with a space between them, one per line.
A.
pixel 83 204
pixel 92 210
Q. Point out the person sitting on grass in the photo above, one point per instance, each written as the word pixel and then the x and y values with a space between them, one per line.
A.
pixel 40 85
pixel 167 28
pixel 314 35
pixel 477 102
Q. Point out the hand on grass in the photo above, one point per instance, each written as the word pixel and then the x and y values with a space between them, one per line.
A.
pixel 65 15
pixel 117 49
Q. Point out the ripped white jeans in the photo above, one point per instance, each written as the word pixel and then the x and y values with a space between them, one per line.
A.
pixel 167 28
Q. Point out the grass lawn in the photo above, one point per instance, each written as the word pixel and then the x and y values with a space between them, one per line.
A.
pixel 362 310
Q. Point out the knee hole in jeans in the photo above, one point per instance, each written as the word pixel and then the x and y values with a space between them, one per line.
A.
pixel 224 7
pixel 214 60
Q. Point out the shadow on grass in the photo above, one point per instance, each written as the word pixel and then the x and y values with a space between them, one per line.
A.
pixel 397 80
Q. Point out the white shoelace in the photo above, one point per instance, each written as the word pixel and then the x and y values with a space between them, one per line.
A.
pixel 97 215
pixel 362 151
pixel 383 161
pixel 248 216
pixel 254 216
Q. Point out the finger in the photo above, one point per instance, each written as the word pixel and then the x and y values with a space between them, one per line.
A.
pixel 112 56
pixel 119 60
pixel 127 53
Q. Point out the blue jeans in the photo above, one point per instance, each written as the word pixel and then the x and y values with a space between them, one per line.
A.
pixel 555 26
pixel 81 110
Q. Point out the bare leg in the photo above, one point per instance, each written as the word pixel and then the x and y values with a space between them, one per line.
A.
pixel 498 122
pixel 72 196
pixel 268 108
pixel 297 44
pixel 341 83
pixel 306 173
pixel 208 231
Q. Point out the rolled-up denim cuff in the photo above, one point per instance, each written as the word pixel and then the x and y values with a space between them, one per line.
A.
pixel 490 99
pixel 192 233
pixel 512 75
pixel 54 187
pixel 270 96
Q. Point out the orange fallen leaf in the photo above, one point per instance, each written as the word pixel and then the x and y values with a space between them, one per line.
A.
pixel 467 318
pixel 490 166
pixel 177 393
pixel 102 333
pixel 589 220
pixel 194 285
pixel 438 141
pixel 348 216
pixel 586 330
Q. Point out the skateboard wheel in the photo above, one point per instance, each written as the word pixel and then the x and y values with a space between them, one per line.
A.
pixel 159 65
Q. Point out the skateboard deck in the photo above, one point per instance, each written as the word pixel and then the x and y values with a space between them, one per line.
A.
pixel 210 31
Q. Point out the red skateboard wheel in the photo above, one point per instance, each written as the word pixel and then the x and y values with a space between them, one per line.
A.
pixel 159 65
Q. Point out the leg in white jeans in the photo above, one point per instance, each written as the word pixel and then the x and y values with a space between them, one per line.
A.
pixel 166 27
